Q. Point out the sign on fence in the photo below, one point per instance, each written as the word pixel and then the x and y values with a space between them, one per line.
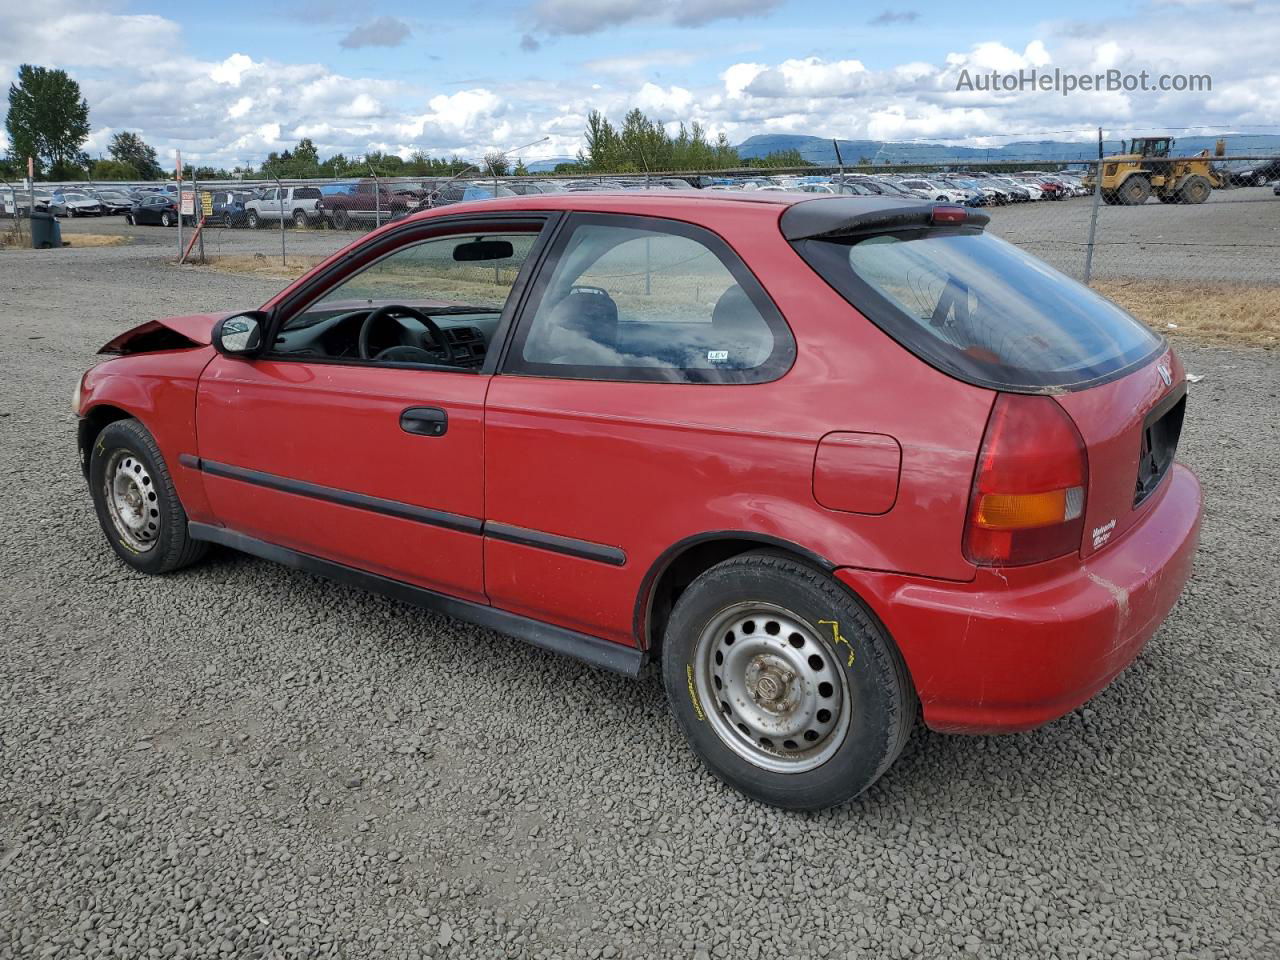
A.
pixel 188 203
pixel 206 203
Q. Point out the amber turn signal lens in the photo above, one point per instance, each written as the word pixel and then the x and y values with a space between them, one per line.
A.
pixel 1018 511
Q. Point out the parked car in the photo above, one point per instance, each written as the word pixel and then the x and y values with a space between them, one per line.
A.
pixel 1252 173
pixel 155 208
pixel 72 203
pixel 360 203
pixel 298 205
pixel 850 458
pixel 1017 192
pixel 526 188
pixel 942 193
pixel 113 201
pixel 461 191
pixel 229 207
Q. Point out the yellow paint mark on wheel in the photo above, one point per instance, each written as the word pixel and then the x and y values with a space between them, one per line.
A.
pixel 838 637
pixel 693 694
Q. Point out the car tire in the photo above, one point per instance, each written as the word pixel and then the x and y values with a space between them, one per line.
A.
pixel 340 220
pixel 167 219
pixel 300 219
pixel 815 702
pixel 137 505
pixel 253 221
pixel 128 218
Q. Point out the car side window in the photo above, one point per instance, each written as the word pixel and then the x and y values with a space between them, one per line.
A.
pixel 455 286
pixel 642 298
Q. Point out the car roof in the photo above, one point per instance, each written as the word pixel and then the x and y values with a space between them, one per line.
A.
pixel 801 214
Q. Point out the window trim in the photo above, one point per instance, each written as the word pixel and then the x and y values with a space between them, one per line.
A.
pixel 776 365
pixel 362 256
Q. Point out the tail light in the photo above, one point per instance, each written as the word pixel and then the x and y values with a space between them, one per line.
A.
pixel 1027 501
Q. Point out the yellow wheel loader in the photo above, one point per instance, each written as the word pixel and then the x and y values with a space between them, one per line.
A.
pixel 1147 168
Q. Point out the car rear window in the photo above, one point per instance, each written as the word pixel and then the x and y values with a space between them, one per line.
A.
pixel 982 310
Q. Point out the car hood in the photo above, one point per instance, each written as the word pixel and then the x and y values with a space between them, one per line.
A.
pixel 196 329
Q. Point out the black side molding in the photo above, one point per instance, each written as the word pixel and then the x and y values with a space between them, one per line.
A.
pixel 569 546
pixel 392 508
pixel 583 549
pixel 593 650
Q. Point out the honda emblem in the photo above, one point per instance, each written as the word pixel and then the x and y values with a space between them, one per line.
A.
pixel 1165 375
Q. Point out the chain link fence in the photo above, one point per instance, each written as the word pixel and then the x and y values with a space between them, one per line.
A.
pixel 1157 220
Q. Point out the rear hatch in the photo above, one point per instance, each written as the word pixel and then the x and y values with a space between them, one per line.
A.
pixel 990 314
pixel 1131 428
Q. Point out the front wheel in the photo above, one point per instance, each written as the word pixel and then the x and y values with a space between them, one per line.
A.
pixel 254 222
pixel 783 683
pixel 137 505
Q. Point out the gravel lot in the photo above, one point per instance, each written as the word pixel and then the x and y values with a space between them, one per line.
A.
pixel 243 761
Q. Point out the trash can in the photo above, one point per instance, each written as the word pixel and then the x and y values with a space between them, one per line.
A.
pixel 46 232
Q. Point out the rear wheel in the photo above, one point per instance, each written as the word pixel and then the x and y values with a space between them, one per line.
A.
pixel 783 684
pixel 136 503
pixel 1195 190
pixel 167 219
pixel 1135 191
pixel 340 219
pixel 299 219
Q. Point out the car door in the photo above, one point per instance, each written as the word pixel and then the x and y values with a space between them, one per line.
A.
pixel 376 464
pixel 619 407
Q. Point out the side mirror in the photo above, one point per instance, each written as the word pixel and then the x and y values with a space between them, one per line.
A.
pixel 239 336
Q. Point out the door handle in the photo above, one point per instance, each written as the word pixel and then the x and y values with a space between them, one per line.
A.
pixel 424 421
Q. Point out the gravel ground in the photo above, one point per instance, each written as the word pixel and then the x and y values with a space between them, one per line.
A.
pixel 243 761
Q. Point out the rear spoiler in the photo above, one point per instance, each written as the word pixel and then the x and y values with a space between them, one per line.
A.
pixel 845 216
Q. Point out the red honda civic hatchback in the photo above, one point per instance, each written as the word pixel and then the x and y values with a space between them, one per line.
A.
pixel 832 462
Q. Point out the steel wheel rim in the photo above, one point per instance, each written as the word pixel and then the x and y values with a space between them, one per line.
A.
pixel 133 503
pixel 774 690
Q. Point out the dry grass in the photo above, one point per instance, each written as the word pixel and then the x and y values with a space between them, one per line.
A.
pixel 13 235
pixel 1213 313
pixel 261 265
pixel 93 240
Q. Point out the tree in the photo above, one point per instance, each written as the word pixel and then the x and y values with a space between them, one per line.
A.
pixel 131 150
pixel 495 164
pixel 305 152
pixel 520 169
pixel 113 170
pixel 48 120
pixel 643 144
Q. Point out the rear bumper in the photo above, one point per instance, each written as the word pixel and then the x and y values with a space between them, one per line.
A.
pixel 1013 650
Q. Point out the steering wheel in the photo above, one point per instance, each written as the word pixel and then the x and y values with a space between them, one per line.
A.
pixel 405 353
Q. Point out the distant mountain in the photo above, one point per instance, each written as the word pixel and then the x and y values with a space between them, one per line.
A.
pixel 819 150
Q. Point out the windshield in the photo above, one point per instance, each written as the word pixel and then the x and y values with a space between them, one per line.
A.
pixel 981 309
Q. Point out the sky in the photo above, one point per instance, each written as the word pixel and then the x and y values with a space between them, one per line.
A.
pixel 227 83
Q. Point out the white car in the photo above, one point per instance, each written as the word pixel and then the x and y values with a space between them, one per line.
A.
pixel 1033 188
pixel 940 193
pixel 293 203
pixel 74 204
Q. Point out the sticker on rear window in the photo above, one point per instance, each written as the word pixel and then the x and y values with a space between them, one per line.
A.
pixel 716 355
